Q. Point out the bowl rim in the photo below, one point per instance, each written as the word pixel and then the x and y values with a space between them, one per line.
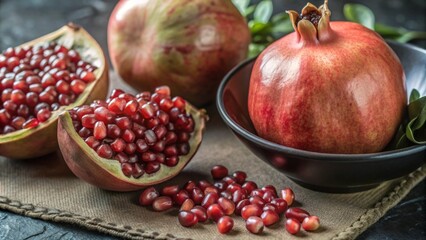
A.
pixel 329 157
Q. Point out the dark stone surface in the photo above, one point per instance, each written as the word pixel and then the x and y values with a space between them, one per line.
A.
pixel 23 20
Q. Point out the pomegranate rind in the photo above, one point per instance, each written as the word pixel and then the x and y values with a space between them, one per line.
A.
pixel 42 140
pixel 104 173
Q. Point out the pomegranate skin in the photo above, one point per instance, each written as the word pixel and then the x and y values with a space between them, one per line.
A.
pixel 341 91
pixel 187 45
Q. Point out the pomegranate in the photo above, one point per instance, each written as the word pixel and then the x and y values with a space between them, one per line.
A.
pixel 188 45
pixel 333 87
pixel 129 142
pixel 39 80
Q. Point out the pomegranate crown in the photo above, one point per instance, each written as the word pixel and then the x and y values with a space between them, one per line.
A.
pixel 312 25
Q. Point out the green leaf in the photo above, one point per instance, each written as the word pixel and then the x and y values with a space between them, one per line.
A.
pixel 388 31
pixel 360 14
pixel 410 36
pixel 414 95
pixel 256 49
pixel 416 107
pixel 410 133
pixel 250 10
pixel 280 17
pixel 259 28
pixel 263 11
pixel 241 5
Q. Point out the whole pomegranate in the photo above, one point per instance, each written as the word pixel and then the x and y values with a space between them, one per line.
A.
pixel 187 45
pixel 332 87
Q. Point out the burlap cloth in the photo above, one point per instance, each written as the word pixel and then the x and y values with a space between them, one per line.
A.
pixel 44 188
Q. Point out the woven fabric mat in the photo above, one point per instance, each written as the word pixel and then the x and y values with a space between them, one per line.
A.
pixel 44 188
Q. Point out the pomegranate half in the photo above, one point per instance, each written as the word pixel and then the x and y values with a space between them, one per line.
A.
pixel 187 45
pixel 333 87
pixel 129 142
pixel 40 138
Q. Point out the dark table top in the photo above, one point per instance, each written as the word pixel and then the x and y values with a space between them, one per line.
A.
pixel 23 20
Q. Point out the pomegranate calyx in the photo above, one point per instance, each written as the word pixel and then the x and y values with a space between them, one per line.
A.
pixel 313 24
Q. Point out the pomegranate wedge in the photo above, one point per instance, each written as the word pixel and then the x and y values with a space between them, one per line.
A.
pixel 40 80
pixel 126 142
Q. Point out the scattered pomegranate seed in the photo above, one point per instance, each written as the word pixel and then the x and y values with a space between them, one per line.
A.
pixel 251 210
pixel 219 172
pixel 162 203
pixel 280 204
pixel 269 217
pixel 170 190
pixel 181 197
pixel 288 195
pixel 292 225
pixel 214 212
pixel 297 214
pixel 311 223
pixel 249 186
pixel 187 205
pixel 254 225
pixel 201 213
pixel 225 224
pixel 227 205
pixel 148 196
pixel 241 205
pixel 187 218
pixel 239 176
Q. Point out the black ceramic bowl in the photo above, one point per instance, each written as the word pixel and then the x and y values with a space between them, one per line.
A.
pixel 322 171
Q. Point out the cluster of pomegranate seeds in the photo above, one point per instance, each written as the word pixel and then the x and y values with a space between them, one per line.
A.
pixel 141 132
pixel 228 195
pixel 36 80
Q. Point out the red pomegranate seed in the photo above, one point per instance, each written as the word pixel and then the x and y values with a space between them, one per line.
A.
pixel 84 132
pixel 239 195
pixel 166 104
pixel 228 180
pixel 234 187
pixel 164 90
pixel 209 199
pixel 221 185
pixel 268 196
pixel 87 76
pixel 180 197
pixel 147 111
pixel 257 200
pixel 148 196
pixel 162 203
pixel 170 190
pixel 219 172
pixel 179 103
pixel 270 206
pixel 203 184
pixel 251 210
pixel 88 121
pixel 104 115
pixel 92 142
pixel 78 86
pixel 4 117
pixel 227 205
pixel 187 218
pixel 131 107
pixel 226 194
pixel 311 223
pixel 297 214
pixel 105 151
pixel 130 148
pixel 214 212
pixel 151 139
pixel 31 123
pixel 270 188
pixel 172 161
pixel 113 131
pixel 117 105
pixel 211 189
pixel 62 87
pixel 241 205
pixel 123 123
pixel 201 213
pixel 249 186
pixel 187 205
pixel 292 226
pixel 257 192
pixel 43 115
pixel 17 122
pixel 196 195
pixel 239 176
pixel 18 96
pixel 254 225
pixel 188 186
pixel 128 136
pixel 280 204
pixel 99 130
pixel 225 224
pixel 269 217
pixel 288 195
pixel 118 145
